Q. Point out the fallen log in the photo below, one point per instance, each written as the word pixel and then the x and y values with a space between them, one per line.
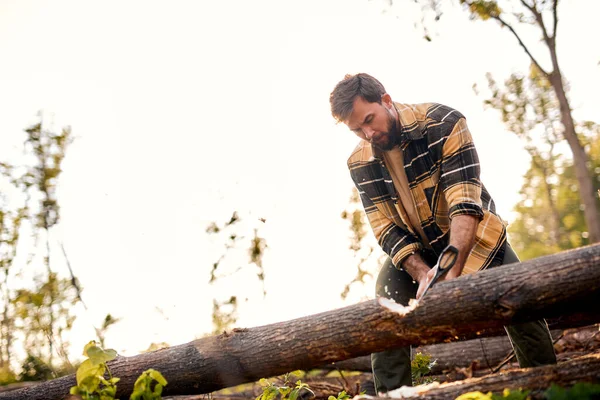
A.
pixel 561 284
pixel 485 352
pixel 565 374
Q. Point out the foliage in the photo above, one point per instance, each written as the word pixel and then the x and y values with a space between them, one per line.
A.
pixel 549 217
pixel 108 321
pixel 341 396
pixel 91 381
pixel 95 382
pixel 421 366
pixel 369 255
pixel 44 314
pixel 142 389
pixel 225 309
pixel 581 391
pixel 34 316
pixel 506 394
pixel 224 314
pixel 284 392
pixel 35 369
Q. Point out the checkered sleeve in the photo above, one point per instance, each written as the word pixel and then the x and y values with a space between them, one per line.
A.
pixel 460 173
pixel 395 241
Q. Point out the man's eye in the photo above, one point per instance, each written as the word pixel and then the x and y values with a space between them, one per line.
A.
pixel 368 120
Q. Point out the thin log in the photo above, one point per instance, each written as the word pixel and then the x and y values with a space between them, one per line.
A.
pixel 561 284
pixel 565 374
pixel 480 353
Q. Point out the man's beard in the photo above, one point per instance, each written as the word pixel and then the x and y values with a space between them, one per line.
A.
pixel 388 140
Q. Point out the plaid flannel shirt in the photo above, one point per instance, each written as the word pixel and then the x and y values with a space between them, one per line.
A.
pixel 442 168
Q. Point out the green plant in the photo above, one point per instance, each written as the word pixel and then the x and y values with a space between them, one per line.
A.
pixel 506 395
pixel 581 391
pixel 421 365
pixel 142 390
pixel 91 383
pixel 286 392
pixel 341 396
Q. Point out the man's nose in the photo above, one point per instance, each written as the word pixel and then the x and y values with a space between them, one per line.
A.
pixel 368 132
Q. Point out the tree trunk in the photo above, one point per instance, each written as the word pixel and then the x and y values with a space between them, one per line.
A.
pixel 559 284
pixel 580 158
pixel 565 374
pixel 482 353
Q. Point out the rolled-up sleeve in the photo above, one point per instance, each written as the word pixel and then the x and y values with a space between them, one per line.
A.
pixel 460 172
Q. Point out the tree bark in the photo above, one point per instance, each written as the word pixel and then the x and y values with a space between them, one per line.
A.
pixel 560 284
pixel 580 159
pixel 478 354
pixel 565 374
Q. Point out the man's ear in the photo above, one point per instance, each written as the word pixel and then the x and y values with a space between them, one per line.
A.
pixel 386 100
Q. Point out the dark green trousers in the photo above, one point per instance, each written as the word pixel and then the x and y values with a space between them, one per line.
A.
pixel 391 369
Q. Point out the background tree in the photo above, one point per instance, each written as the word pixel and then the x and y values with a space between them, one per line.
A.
pixel 10 225
pixel 543 16
pixel 535 221
pixel 37 303
pixel 368 254
pixel 233 239
pixel 549 217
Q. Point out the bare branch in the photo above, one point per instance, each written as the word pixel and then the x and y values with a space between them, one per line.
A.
pixel 537 64
pixel 555 18
pixel 539 20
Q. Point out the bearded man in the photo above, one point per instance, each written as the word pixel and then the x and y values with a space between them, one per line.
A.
pixel 417 172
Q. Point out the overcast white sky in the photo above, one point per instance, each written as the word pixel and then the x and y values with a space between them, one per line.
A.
pixel 184 111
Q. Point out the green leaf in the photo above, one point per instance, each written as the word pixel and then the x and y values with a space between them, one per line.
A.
pixel 91 343
pixel 157 376
pixel 264 382
pixel 158 390
pixel 270 393
pixel 97 355
pixel 89 384
pixel 88 369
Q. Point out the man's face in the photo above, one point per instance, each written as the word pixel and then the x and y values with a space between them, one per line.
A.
pixel 375 123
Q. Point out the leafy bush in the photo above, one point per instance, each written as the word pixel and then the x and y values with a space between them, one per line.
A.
pixel 581 391
pixel 285 392
pixel 92 384
pixel 421 365
pixel 506 395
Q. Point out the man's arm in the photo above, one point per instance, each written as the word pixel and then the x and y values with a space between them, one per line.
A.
pixel 393 239
pixel 461 186
pixel 462 236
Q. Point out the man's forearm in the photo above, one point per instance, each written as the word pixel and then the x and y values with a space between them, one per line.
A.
pixel 462 236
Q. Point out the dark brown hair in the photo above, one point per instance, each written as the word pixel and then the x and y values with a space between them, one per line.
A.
pixel 347 90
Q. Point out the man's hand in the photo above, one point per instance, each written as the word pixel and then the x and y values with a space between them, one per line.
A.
pixel 423 284
pixel 418 269
pixel 462 236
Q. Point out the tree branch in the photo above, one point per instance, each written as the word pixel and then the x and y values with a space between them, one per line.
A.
pixel 555 18
pixel 504 23
pixel 539 20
